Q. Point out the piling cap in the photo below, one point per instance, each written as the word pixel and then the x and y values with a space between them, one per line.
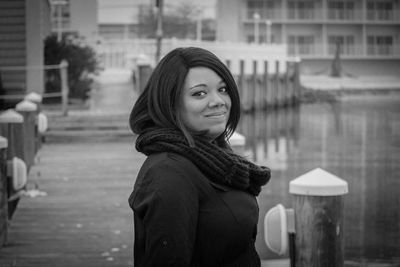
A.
pixel 318 183
pixel 11 116
pixel 26 106
pixel 34 97
pixel 237 139
pixel 3 142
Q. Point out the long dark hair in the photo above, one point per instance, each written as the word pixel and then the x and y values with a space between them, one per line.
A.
pixel 159 103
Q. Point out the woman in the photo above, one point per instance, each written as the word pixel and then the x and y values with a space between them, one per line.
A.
pixel 194 199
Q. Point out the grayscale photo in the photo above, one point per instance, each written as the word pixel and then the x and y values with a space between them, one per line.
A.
pixel 199 133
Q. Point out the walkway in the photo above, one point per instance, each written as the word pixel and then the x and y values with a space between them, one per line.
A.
pixel 81 216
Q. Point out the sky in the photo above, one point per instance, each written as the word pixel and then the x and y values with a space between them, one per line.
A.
pixel 126 11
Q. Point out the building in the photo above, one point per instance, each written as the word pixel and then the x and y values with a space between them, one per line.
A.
pixel 368 31
pixel 75 16
pixel 23 26
pixel 127 19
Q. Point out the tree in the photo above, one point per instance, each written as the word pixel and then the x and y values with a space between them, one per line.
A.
pixel 81 60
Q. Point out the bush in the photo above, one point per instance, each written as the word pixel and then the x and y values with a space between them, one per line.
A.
pixel 81 60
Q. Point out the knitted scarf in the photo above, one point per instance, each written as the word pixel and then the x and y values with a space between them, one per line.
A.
pixel 219 165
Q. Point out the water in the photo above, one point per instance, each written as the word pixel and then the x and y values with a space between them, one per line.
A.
pixel 357 139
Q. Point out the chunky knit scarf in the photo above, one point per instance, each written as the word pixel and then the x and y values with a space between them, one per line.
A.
pixel 220 165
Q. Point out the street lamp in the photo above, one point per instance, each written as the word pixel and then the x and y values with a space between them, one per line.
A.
pixel 59 5
pixel 256 18
pixel 268 35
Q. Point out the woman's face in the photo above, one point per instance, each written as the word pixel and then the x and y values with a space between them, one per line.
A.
pixel 206 103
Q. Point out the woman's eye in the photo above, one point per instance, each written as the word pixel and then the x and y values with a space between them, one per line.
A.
pixel 223 90
pixel 201 93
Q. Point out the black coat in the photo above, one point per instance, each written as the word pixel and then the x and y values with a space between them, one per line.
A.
pixel 181 218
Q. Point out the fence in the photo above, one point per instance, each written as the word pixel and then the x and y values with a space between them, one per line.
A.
pixel 121 54
pixel 20 139
pixel 10 96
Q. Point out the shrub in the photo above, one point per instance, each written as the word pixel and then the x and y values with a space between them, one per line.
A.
pixel 82 60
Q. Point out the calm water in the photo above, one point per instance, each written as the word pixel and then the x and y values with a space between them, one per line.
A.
pixel 357 139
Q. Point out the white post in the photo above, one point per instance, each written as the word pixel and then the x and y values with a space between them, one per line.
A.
pixel 256 18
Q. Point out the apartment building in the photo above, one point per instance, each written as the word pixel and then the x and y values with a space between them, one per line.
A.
pixel 75 16
pixel 368 31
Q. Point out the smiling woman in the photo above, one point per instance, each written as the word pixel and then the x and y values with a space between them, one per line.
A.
pixel 194 198
pixel 205 103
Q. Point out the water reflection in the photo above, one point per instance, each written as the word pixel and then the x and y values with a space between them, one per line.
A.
pixel 357 139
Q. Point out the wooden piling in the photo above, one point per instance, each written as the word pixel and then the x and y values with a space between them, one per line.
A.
pixel 29 111
pixel 3 191
pixel 319 210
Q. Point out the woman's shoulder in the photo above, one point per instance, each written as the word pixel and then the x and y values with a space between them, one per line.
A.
pixel 171 167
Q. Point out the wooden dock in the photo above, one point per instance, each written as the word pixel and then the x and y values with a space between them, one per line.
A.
pixel 81 216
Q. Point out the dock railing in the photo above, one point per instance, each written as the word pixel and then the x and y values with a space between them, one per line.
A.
pixel 9 96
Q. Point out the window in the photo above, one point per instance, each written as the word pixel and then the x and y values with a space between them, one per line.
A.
pixel 380 45
pixel 301 44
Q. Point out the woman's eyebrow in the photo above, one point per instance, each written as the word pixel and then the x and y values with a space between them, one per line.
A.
pixel 198 85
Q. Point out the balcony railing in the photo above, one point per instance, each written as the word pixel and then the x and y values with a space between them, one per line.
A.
pixel 349 50
pixel 318 14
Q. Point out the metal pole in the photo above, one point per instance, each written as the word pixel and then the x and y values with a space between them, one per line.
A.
pixel 159 32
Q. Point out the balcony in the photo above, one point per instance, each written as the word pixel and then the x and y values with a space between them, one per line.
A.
pixel 347 51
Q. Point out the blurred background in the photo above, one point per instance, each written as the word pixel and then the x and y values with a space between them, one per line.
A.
pixel 340 60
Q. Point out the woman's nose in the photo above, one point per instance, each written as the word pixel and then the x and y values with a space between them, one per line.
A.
pixel 216 100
